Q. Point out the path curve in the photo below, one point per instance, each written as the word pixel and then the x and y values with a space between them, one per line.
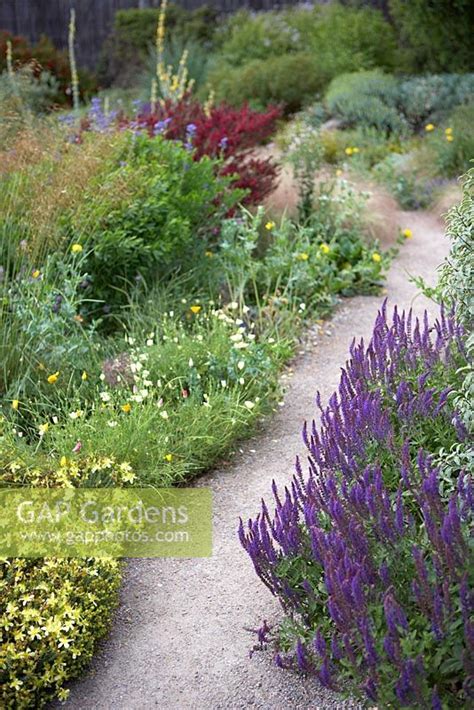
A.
pixel 179 640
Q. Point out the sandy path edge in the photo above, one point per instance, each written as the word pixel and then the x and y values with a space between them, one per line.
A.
pixel 179 640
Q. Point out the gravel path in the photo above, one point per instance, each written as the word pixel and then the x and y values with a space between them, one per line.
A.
pixel 179 640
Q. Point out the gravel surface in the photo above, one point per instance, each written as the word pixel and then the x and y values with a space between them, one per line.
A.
pixel 179 639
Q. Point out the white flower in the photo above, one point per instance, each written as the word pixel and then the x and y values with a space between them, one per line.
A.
pixel 241 346
pixel 233 306
pixel 112 424
pixel 271 340
pixel 147 383
pixel 200 337
pixel 55 419
pixel 149 342
pixel 236 338
pixel 223 384
pixel 245 309
pixel 242 381
pixel 101 377
pixel 191 362
pixel 164 414
pixel 302 306
pixel 249 404
pixel 105 396
pixel 241 364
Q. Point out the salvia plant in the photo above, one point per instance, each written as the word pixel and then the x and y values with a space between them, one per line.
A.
pixel 369 552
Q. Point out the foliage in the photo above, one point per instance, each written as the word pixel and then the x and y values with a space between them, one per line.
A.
pixel 291 80
pixel 126 50
pixel 444 42
pixel 369 552
pixel 456 279
pixel 431 98
pixel 289 56
pixel 47 64
pixel 366 98
pixel 54 610
pixel 384 102
pixel 223 133
pixel 452 151
pixel 156 214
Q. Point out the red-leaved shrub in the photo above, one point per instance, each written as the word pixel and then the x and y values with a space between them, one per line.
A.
pixel 226 132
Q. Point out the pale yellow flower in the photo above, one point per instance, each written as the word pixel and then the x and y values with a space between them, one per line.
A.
pixel 429 127
pixel 303 256
pixel 76 248
pixel 325 248
pixel 15 404
pixel 349 151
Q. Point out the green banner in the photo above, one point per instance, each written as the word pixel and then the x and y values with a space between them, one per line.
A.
pixel 105 522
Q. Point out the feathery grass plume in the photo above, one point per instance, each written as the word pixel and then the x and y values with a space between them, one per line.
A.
pixel 172 85
pixel 72 60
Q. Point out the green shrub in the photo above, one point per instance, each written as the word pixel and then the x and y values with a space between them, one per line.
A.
pixel 436 34
pixel 457 277
pixel 367 99
pixel 127 49
pixel 454 151
pixel 53 610
pixel 290 56
pixel 431 98
pixel 152 216
pixel 291 80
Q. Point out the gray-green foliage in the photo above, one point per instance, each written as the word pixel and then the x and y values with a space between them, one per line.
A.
pixel 457 279
pixel 374 99
pixel 368 98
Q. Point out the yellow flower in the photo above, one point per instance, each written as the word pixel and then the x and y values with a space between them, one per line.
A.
pixel 448 131
pixel 84 376
pixel 270 226
pixel 429 127
pixel 168 457
pixel 43 428
pixel 449 138
pixel 348 151
pixel 53 378
pixel 209 254
pixel 407 233
pixel 376 257
pixel 126 408
pixel 63 461
pixel 195 309
pixel 76 248
pixel 36 273
pixel 338 172
pixel 15 404
pixel 325 248
pixel 303 256
pixel 355 150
